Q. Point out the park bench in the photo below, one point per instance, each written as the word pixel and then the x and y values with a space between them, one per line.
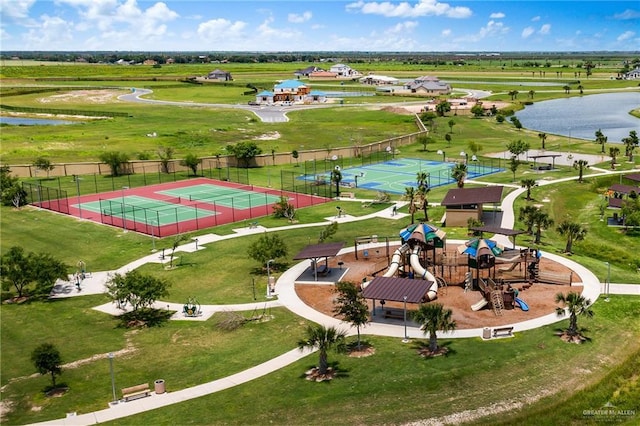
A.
pixel 503 332
pixel 554 278
pixel 135 392
pixel 347 195
pixel 253 225
pixel 394 313
pixel 324 271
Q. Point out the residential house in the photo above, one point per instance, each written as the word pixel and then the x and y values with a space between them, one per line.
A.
pixel 378 80
pixel 428 85
pixel 290 91
pixel 307 71
pixel 344 71
pixel 219 75
pixel 634 74
pixel 323 75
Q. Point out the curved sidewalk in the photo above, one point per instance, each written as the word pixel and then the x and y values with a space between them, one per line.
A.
pixel 288 298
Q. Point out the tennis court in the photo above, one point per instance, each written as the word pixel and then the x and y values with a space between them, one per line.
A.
pixel 395 175
pixel 183 206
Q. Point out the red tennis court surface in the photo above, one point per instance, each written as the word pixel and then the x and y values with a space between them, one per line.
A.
pixel 176 207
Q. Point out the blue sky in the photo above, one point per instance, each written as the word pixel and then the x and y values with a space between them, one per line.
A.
pixel 325 25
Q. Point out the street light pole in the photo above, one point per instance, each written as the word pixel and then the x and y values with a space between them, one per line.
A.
pixel 444 155
pixel 124 218
pixel 606 284
pixel 113 380
pixel 78 191
pixel 269 262
pixel 406 338
pixel 465 155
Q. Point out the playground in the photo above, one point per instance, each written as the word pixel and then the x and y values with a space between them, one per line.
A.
pixel 172 208
pixel 484 283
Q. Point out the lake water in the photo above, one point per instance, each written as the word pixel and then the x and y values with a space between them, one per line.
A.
pixel 580 116
pixel 19 121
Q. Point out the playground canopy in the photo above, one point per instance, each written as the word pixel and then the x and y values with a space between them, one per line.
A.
pixel 423 233
pixel 396 289
pixel 498 230
pixel 477 247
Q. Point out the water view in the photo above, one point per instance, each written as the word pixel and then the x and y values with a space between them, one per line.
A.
pixel 580 116
pixel 20 121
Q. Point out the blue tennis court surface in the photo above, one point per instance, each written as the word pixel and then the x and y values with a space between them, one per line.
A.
pixel 395 175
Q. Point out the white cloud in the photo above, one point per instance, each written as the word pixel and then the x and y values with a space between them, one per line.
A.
pixel 497 15
pixel 535 19
pixel 491 30
pixel 627 14
pixel 527 32
pixel 220 29
pixel 15 9
pixel 52 32
pixel 407 10
pixel 445 33
pixel 625 36
pixel 402 27
pixel 545 29
pixel 299 19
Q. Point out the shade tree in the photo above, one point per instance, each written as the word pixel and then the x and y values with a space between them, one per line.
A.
pixel 351 305
pixel 20 269
pixel 136 289
pixel 47 360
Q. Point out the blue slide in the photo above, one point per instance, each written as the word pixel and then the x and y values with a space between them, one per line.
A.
pixel 521 304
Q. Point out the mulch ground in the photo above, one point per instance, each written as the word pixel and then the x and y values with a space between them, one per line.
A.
pixel 539 297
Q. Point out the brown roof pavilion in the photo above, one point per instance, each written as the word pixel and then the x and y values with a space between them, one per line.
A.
pixel 395 289
pixel 316 251
pixel 466 196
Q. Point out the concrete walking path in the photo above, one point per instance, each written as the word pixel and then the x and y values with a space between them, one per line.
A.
pixel 287 297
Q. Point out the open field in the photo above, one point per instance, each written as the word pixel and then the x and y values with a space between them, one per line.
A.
pixel 532 376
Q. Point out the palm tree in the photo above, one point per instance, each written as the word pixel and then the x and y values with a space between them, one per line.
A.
pixel 459 173
pixel 541 220
pixel 322 338
pixel 573 231
pixel 543 138
pixel 527 215
pixel 528 183
pixel 575 304
pixel 580 165
pixel 422 179
pixel 613 153
pixel 336 176
pixel 410 196
pixel 630 143
pixel 601 139
pixel 433 317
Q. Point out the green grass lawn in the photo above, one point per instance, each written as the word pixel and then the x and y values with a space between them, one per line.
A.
pixel 393 386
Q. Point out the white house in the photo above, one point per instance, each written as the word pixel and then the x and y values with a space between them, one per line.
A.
pixel 634 74
pixel 342 70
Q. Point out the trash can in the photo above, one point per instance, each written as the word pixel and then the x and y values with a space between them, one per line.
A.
pixel 159 386
pixel 486 333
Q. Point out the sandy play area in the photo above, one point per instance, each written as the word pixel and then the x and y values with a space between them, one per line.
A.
pixel 539 297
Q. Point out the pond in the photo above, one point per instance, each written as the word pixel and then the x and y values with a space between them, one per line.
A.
pixel 20 121
pixel 580 116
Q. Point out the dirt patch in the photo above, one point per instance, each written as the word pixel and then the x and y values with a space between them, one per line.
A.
pixel 270 136
pixel 539 297
pixel 104 96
